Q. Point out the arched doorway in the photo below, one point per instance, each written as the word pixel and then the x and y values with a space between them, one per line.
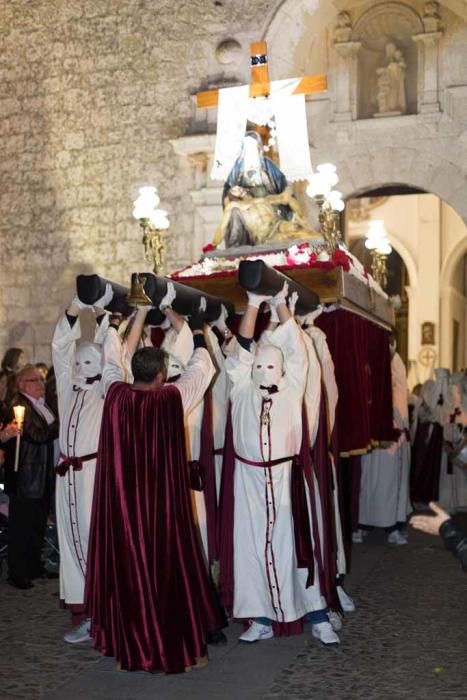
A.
pixel 398 282
pixel 426 269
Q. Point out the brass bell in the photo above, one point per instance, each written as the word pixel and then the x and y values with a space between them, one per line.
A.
pixel 137 295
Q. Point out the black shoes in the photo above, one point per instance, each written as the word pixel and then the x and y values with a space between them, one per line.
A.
pixel 45 573
pixel 217 638
pixel 22 583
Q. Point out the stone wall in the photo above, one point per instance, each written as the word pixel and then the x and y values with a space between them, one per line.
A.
pixel 91 91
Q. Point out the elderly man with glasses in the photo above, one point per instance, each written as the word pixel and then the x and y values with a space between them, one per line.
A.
pixel 30 487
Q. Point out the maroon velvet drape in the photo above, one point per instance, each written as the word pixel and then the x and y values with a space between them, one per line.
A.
pixel 147 589
pixel 360 351
pixel 426 462
pixel 323 469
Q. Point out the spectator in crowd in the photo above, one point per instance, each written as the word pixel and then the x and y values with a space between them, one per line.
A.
pixel 30 487
pixel 441 523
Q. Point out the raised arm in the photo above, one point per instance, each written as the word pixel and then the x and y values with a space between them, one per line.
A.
pixel 67 332
pixel 288 337
pixel 114 367
pixel 200 370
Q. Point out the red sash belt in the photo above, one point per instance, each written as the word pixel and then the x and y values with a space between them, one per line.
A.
pixel 75 463
pixel 269 463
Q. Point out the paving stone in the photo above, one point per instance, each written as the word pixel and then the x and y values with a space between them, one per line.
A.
pixel 406 640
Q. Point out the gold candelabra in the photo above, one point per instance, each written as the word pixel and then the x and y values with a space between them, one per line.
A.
pixel 154 223
pixel 379 269
pixel 329 223
pixel 378 244
pixel 154 247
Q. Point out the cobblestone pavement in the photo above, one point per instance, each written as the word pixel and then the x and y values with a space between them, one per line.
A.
pixel 406 640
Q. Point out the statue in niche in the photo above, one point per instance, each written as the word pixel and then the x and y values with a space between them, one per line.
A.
pixel 343 28
pixel 431 17
pixel 391 97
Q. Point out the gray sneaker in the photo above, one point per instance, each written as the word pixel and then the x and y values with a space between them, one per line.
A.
pixel 79 634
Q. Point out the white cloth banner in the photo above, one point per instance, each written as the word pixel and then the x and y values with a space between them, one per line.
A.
pixel 235 107
pixel 291 130
pixel 231 126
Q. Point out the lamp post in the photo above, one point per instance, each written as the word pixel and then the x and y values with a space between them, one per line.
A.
pixel 378 244
pixel 154 223
pixel 329 201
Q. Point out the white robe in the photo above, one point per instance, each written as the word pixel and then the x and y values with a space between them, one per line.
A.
pixel 180 345
pixel 267 582
pixel 384 486
pixel 80 412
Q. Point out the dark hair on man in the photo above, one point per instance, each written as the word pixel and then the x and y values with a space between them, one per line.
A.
pixel 147 363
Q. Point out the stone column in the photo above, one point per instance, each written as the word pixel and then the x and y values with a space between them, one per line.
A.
pixel 346 80
pixel 428 71
pixel 196 154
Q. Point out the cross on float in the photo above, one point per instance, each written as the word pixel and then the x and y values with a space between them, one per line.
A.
pixel 260 85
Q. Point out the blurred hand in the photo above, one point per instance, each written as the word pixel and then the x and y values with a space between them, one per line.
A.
pixel 220 322
pixel 281 297
pixel 9 431
pixel 106 298
pixel 274 317
pixel 257 299
pixel 293 302
pixel 169 297
pixel 430 523
pixel 197 320
pixel 78 304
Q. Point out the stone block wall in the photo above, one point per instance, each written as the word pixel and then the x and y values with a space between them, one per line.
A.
pixel 91 91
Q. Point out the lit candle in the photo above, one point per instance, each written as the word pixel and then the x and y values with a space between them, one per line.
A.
pixel 19 418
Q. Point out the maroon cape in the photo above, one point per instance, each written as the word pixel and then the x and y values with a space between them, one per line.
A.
pixel 148 594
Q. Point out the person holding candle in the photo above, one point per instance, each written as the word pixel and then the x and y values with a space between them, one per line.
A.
pixel 30 486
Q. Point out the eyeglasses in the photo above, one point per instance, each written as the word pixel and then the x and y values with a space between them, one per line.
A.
pixel 37 379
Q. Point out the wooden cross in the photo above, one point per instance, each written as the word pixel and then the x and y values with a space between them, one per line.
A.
pixel 260 84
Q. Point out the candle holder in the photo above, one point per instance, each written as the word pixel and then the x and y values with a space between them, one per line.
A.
pixel 330 203
pixel 154 223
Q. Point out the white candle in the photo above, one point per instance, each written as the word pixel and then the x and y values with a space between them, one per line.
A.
pixel 19 418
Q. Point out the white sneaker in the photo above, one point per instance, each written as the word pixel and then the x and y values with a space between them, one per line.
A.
pixel 335 619
pixel 357 537
pixel 397 537
pixel 79 634
pixel 347 603
pixel 324 632
pixel 257 632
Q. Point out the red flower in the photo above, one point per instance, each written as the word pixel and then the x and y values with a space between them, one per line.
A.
pixel 209 247
pixel 341 259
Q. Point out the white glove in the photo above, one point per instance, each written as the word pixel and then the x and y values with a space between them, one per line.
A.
pixel 274 316
pixel 165 324
pixel 257 299
pixel 76 301
pixel 106 298
pixel 293 302
pixel 203 304
pixel 169 297
pixel 281 297
pixel 220 322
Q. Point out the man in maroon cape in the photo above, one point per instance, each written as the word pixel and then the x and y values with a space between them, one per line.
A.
pixel 148 594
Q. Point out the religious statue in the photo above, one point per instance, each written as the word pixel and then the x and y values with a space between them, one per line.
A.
pixel 343 28
pixel 431 17
pixel 259 206
pixel 391 97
